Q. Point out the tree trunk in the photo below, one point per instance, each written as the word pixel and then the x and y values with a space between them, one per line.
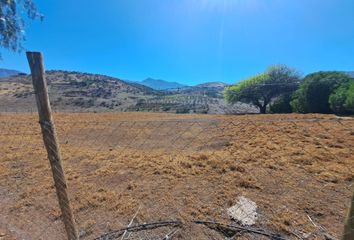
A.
pixel 263 109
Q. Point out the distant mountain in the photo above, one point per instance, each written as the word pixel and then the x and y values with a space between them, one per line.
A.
pixel 214 85
pixel 8 72
pixel 159 84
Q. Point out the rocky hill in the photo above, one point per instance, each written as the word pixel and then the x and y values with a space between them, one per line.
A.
pixel 76 91
pixel 215 85
pixel 210 89
pixel 73 90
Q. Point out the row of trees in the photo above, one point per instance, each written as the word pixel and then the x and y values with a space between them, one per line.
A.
pixel 281 89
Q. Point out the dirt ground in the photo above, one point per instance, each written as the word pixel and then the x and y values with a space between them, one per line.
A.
pixel 298 169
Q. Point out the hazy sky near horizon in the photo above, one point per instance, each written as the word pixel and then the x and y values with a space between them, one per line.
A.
pixel 190 41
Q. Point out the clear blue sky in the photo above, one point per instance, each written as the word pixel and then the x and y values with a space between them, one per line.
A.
pixel 190 41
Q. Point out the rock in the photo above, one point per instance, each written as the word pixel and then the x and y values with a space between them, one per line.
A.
pixel 245 211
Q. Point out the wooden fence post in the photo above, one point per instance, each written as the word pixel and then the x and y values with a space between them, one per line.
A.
pixel 35 60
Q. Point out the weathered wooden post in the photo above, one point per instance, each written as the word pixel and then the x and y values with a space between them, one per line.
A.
pixel 35 60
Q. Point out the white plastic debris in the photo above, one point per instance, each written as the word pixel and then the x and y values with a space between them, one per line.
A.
pixel 245 212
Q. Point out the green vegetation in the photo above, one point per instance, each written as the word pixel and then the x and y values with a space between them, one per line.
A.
pixel 12 24
pixel 315 90
pixel 280 90
pixel 281 104
pixel 341 100
pixel 261 89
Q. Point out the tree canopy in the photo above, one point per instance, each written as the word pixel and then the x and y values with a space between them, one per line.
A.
pixel 281 104
pixel 12 24
pixel 262 88
pixel 341 101
pixel 315 90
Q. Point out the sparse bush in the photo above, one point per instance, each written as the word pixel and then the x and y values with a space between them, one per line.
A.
pixel 166 108
pixel 182 110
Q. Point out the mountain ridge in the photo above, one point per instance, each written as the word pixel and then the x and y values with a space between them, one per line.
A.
pixel 212 85
pixel 156 84
pixel 77 91
pixel 159 84
pixel 9 72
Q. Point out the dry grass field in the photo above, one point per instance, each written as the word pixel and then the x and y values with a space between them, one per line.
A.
pixel 298 169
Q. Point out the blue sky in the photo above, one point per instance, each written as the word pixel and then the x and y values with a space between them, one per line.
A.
pixel 190 41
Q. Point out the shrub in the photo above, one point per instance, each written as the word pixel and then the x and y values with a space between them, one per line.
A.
pixel 182 110
pixel 341 100
pixel 281 105
pixel 315 89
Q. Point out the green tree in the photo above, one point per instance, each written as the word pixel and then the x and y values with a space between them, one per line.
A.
pixel 341 100
pixel 314 91
pixel 281 104
pixel 12 24
pixel 261 89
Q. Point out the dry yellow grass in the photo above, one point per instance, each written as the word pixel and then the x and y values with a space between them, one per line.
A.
pixel 187 167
